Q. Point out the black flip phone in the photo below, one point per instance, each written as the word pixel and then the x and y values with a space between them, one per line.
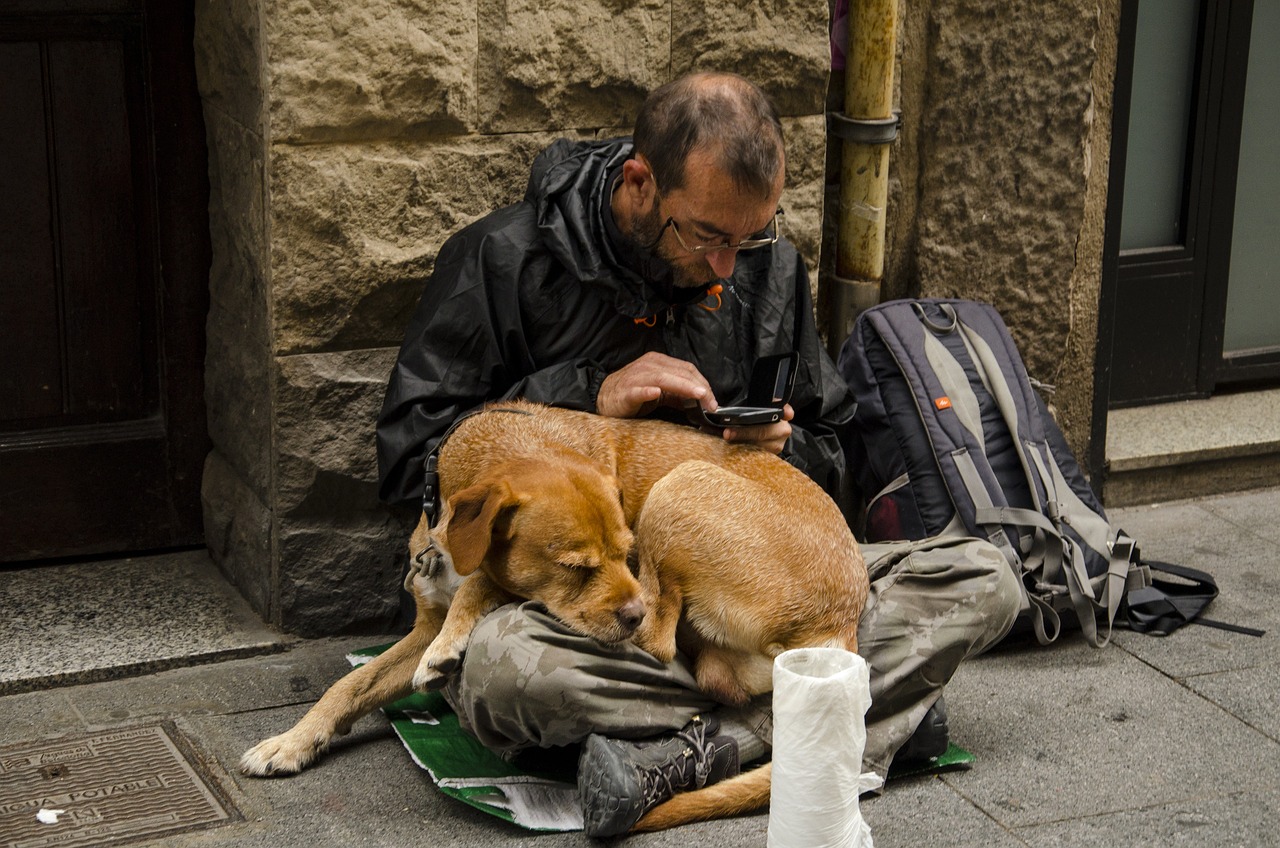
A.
pixel 772 379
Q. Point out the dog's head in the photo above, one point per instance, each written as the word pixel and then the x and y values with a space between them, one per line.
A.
pixel 551 531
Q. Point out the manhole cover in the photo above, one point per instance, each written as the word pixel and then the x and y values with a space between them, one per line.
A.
pixel 103 788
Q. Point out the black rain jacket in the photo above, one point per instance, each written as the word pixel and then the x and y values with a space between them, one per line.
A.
pixel 543 299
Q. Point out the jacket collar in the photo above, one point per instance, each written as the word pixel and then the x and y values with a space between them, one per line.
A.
pixel 572 186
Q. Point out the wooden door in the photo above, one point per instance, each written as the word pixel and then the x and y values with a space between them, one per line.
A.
pixel 104 259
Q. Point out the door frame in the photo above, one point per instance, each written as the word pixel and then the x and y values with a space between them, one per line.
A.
pixel 1213 159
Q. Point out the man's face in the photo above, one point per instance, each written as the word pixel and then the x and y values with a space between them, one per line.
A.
pixel 708 210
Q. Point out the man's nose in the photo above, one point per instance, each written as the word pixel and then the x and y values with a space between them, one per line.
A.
pixel 721 262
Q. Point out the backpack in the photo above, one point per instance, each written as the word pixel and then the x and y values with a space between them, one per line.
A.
pixel 951 438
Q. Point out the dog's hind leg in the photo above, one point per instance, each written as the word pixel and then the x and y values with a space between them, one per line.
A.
pixel 730 676
pixel 386 678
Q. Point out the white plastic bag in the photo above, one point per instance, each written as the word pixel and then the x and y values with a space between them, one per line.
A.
pixel 820 700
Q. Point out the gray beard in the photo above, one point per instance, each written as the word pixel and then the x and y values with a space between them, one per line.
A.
pixel 644 232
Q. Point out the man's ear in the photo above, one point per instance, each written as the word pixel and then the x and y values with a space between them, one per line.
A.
pixel 476 515
pixel 638 182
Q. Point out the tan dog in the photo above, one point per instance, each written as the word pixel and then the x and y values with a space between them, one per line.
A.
pixel 539 504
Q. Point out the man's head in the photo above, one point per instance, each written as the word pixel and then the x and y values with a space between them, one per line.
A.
pixel 707 174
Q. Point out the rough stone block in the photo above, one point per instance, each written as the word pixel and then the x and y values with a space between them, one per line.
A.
pixel 237 376
pixel 230 58
pixel 783 46
pixel 237 370
pixel 326 408
pixel 378 69
pixel 237 356
pixel 237 528
pixel 561 64
pixel 1004 166
pixel 802 200
pixel 340 573
pixel 237 190
pixel 356 229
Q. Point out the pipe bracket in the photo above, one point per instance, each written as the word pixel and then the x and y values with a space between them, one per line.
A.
pixel 864 130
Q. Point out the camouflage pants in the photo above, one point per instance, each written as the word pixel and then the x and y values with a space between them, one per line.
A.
pixel 528 681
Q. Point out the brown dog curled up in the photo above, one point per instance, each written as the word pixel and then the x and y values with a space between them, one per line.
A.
pixel 548 504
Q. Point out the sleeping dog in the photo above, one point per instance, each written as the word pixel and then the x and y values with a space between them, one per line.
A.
pixel 549 505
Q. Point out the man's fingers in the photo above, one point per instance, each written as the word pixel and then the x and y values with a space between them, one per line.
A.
pixel 653 379
pixel 771 437
pixel 676 391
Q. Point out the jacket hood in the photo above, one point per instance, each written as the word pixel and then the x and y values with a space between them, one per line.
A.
pixel 571 184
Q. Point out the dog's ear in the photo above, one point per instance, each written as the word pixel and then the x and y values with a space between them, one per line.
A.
pixel 476 514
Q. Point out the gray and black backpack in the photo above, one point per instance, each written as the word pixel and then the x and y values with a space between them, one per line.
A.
pixel 951 438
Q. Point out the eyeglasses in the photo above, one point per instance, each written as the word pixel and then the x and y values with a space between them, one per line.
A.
pixel 766 237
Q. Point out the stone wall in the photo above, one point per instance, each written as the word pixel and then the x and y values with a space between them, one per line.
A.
pixel 1000 175
pixel 347 141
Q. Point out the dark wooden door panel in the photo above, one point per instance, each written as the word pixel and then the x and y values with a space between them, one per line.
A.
pixel 1170 302
pixel 105 493
pixel 30 355
pixel 107 283
pixel 102 429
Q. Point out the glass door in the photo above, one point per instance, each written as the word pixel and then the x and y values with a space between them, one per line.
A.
pixel 1251 334
pixel 1195 294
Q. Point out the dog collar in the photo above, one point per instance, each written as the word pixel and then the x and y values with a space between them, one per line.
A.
pixel 431 478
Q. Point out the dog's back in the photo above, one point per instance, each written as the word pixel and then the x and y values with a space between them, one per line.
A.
pixel 638 451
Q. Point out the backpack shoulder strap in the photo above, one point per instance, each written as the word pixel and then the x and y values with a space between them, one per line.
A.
pixel 912 331
pixel 1055 507
pixel 941 362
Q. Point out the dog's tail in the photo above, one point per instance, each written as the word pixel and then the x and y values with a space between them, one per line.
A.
pixel 745 793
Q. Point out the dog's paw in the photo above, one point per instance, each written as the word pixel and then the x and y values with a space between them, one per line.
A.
pixel 730 695
pixel 434 670
pixel 663 650
pixel 656 638
pixel 286 754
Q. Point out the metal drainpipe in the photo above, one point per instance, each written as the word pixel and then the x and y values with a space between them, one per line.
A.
pixel 867 127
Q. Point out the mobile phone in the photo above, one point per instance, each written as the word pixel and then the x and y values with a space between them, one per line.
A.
pixel 772 379
pixel 742 416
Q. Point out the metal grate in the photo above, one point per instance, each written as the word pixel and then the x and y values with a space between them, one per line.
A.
pixel 110 787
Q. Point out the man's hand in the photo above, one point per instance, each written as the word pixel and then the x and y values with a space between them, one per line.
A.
pixel 653 380
pixel 771 437
pixel 656 379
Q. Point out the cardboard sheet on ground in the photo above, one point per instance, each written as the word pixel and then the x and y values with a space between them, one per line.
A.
pixel 541 796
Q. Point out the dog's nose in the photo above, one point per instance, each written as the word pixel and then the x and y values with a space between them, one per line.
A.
pixel 631 614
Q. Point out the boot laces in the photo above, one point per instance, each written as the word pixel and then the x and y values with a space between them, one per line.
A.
pixel 659 784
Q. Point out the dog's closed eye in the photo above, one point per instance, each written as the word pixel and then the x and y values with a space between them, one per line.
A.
pixel 579 564
pixel 573 559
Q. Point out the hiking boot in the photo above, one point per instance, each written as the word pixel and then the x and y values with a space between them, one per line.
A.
pixel 620 780
pixel 930 740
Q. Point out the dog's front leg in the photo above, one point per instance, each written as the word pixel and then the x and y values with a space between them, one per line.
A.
pixel 380 681
pixel 477 597
pixel 657 633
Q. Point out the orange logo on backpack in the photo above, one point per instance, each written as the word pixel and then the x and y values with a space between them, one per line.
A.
pixel 942 403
